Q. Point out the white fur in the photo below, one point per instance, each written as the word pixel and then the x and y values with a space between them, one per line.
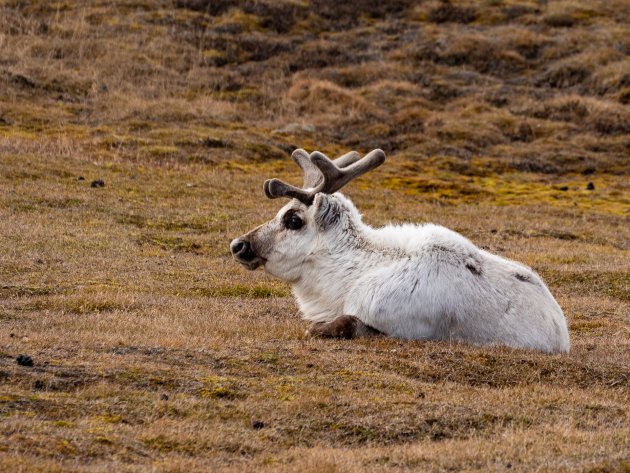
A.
pixel 409 281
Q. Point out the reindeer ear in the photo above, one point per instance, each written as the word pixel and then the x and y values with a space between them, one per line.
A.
pixel 327 210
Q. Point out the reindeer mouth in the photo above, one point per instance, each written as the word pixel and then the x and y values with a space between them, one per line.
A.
pixel 252 264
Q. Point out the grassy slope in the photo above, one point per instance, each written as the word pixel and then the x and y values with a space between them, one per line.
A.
pixel 153 351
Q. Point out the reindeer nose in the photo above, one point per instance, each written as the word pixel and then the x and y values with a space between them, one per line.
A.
pixel 242 250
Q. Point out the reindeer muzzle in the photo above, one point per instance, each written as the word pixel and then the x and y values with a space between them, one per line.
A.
pixel 243 252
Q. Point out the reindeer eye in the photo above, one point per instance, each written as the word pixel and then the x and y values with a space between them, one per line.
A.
pixel 292 221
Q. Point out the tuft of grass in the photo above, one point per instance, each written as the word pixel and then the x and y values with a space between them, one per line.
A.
pixel 249 291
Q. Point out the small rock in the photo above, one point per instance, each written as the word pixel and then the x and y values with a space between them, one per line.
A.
pixel 309 365
pixel 563 188
pixel 421 395
pixel 38 384
pixel 590 186
pixel 214 143
pixel 97 183
pixel 509 465
pixel 24 360
pixel 258 424
pixel 81 178
pixel 164 397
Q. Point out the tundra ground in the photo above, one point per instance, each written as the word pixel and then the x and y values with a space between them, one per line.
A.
pixel 153 351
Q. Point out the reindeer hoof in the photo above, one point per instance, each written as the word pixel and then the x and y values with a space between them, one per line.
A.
pixel 346 327
pixel 319 330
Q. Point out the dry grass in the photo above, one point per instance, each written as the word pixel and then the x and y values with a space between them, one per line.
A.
pixel 153 351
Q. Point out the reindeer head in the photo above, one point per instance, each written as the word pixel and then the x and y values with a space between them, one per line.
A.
pixel 314 218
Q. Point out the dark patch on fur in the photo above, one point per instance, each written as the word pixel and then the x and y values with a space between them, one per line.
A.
pixel 469 260
pixel 441 248
pixel 473 269
pixel 523 277
pixel 414 286
pixel 330 214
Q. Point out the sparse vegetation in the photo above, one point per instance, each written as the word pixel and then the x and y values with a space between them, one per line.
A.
pixel 152 351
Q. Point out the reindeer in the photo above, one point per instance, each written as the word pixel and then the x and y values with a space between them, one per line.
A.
pixel 405 281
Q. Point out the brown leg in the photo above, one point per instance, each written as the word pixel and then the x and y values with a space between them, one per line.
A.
pixel 346 326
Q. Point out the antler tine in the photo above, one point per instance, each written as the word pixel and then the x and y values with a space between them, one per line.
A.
pixel 312 175
pixel 347 159
pixel 335 178
pixel 275 188
pixel 322 174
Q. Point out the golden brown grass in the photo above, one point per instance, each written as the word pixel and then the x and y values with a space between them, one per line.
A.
pixel 153 351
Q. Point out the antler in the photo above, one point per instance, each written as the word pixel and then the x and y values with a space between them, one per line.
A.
pixel 322 174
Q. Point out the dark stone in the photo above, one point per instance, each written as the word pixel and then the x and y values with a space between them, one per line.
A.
pixel 213 143
pixel 38 385
pixel 23 81
pixel 563 188
pixel 24 360
pixel 97 183
pixel 164 397
pixel 258 424
pixel 81 178
pixel 590 186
